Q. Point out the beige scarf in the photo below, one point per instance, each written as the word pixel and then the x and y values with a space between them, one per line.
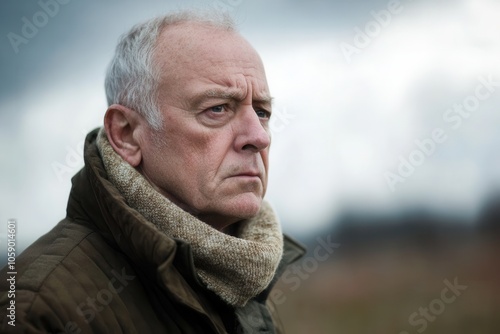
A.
pixel 235 268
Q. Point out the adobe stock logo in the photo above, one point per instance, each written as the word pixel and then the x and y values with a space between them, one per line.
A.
pixel 91 306
pixel 226 5
pixel 436 307
pixel 454 117
pixel 73 160
pixel 30 28
pixel 280 119
pixel 297 273
pixel 373 28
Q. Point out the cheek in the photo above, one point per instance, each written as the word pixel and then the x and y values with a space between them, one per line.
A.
pixel 203 156
pixel 195 152
pixel 213 158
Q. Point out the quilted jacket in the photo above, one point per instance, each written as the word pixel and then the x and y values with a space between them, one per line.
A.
pixel 103 269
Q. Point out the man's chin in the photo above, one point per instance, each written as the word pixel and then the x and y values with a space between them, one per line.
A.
pixel 245 206
pixel 232 210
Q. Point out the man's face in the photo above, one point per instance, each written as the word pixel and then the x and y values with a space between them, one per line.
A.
pixel 211 158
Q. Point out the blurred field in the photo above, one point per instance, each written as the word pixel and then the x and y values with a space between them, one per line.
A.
pixel 371 285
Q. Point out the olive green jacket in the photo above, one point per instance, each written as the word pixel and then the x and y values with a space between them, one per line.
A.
pixel 104 269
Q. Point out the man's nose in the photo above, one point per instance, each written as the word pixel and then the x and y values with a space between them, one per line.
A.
pixel 252 131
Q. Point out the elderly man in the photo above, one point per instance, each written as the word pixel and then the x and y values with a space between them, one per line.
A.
pixel 166 228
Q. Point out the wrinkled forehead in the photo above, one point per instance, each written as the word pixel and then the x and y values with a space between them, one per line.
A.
pixel 197 46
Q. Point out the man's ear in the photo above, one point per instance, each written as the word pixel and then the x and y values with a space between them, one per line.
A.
pixel 123 128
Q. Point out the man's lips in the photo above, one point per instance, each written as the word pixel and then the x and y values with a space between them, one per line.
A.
pixel 247 174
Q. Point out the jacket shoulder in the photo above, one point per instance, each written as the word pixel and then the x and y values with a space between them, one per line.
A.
pixel 54 277
pixel 38 261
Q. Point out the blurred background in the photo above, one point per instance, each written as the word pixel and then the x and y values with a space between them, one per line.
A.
pixel 385 158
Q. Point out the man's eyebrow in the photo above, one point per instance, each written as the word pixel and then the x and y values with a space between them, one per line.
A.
pixel 229 94
pixel 266 98
pixel 222 93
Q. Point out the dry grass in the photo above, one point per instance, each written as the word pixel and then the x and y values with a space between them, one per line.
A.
pixel 376 289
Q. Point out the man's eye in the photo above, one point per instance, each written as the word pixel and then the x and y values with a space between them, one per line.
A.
pixel 263 113
pixel 217 109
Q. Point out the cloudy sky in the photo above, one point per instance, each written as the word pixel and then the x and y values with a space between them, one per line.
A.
pixel 381 106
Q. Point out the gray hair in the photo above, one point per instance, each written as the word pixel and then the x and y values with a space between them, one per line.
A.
pixel 132 78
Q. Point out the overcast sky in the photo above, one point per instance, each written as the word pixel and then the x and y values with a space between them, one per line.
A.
pixel 367 113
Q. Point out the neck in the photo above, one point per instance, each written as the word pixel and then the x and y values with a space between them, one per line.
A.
pixel 223 224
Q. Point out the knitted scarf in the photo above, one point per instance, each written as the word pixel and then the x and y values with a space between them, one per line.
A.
pixel 236 268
